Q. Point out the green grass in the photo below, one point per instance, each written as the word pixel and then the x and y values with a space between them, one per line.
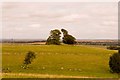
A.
pixel 80 60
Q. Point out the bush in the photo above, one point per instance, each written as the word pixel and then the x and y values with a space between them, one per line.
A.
pixel 28 59
pixel 113 47
pixel 114 63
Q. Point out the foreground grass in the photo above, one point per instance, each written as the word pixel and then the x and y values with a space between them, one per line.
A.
pixel 31 75
pixel 65 60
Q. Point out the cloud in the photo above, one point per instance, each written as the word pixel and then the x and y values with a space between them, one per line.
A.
pixel 83 20
pixel 109 23
pixel 35 25
pixel 73 18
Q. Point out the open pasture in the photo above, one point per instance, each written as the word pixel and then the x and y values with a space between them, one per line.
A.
pixel 67 60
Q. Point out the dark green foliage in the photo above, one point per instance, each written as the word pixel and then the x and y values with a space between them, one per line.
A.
pixel 68 39
pixel 113 47
pixel 65 32
pixel 114 63
pixel 54 37
pixel 29 58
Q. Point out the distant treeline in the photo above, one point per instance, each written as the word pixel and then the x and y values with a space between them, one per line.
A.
pixel 12 41
pixel 79 42
pixel 106 43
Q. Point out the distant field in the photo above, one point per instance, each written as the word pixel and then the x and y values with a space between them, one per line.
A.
pixel 66 60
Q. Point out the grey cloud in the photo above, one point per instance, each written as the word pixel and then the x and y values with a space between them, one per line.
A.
pixel 83 20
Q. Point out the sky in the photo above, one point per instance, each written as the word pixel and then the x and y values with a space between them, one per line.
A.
pixel 83 20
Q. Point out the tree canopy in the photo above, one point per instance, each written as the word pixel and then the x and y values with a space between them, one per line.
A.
pixel 65 32
pixel 67 39
pixel 54 37
pixel 114 63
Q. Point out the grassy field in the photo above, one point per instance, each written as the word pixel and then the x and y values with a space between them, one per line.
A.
pixel 66 60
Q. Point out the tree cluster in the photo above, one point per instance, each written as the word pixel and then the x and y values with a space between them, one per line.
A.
pixel 54 37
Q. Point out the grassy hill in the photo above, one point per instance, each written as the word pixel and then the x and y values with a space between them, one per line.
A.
pixel 67 60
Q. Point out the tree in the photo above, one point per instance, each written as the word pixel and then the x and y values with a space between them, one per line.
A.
pixel 114 63
pixel 68 39
pixel 28 59
pixel 65 32
pixel 54 37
